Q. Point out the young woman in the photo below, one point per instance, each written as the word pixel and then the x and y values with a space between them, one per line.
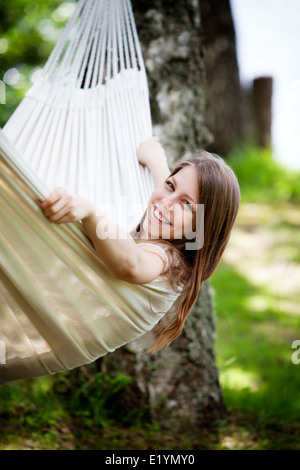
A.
pixel 166 242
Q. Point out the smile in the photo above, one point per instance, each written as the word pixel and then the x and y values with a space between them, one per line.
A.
pixel 157 216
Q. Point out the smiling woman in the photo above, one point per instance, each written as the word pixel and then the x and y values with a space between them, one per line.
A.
pixel 68 302
pixel 172 208
pixel 159 245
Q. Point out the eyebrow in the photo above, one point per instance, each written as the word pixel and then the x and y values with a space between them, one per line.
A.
pixel 185 194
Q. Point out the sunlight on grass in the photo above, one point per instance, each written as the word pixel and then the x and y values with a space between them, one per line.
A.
pixel 42 385
pixel 261 178
pixel 263 302
pixel 289 307
pixel 239 379
pixel 259 302
pixel 229 442
pixel 264 248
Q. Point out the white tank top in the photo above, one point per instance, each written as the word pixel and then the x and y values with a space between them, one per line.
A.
pixel 162 250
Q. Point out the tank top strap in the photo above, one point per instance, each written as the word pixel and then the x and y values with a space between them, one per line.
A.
pixel 161 249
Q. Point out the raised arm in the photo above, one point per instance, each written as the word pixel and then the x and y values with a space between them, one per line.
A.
pixel 151 153
pixel 116 249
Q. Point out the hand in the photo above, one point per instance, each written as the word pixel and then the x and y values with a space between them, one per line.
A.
pixel 150 152
pixel 61 207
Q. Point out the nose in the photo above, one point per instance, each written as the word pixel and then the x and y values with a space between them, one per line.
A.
pixel 167 204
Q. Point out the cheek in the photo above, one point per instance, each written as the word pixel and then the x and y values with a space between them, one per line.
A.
pixel 185 222
pixel 179 219
pixel 159 193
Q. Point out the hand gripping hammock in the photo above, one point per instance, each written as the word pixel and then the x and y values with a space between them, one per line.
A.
pixel 78 127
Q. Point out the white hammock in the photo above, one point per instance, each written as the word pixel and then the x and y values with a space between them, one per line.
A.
pixel 80 124
pixel 78 127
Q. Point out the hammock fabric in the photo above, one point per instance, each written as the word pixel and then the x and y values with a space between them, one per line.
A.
pixel 77 128
pixel 59 307
pixel 80 124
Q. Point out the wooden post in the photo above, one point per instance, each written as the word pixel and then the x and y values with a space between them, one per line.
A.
pixel 262 103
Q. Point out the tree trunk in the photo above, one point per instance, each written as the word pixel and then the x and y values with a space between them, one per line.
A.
pixel 171 39
pixel 262 104
pixel 181 382
pixel 224 98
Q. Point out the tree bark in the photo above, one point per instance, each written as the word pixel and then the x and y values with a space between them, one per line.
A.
pixel 180 383
pixel 171 39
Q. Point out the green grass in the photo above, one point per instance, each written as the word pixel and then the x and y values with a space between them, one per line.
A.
pixel 254 352
pixel 262 178
pixel 257 321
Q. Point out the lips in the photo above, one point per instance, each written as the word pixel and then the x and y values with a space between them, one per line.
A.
pixel 159 217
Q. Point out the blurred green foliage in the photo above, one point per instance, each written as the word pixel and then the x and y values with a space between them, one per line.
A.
pixel 96 401
pixel 28 33
pixel 262 179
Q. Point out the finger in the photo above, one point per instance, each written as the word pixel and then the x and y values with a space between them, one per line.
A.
pixel 63 213
pixel 69 217
pixel 56 207
pixel 39 202
pixel 53 197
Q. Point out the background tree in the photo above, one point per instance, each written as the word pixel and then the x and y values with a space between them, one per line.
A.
pixel 262 110
pixel 225 99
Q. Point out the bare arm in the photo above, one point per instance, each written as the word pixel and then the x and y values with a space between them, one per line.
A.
pixel 114 246
pixel 151 154
pixel 123 258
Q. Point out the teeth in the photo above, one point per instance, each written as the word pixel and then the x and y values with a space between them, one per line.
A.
pixel 160 218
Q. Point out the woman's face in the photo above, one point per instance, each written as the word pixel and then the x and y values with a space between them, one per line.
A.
pixel 171 211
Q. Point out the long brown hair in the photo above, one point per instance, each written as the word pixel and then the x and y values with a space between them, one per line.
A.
pixel 220 195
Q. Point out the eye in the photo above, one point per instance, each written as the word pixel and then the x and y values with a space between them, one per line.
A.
pixel 170 185
pixel 188 204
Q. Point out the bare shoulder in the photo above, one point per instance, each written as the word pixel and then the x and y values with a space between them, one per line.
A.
pixel 156 249
pixel 151 263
